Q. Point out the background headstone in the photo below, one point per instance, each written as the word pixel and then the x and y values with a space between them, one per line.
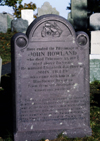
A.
pixel 9 19
pixel 51 89
pixel 19 25
pixel 6 69
pixel 95 56
pixel 94 67
pixel 3 23
pixel 0 68
pixel 47 9
pixel 27 14
pixel 95 21
pixel 79 14
pixel 95 42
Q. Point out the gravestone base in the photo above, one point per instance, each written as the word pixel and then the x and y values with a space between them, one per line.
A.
pixel 94 67
pixel 44 134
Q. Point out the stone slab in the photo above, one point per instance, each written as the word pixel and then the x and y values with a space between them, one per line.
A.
pixel 3 23
pixel 6 69
pixel 0 68
pixel 9 19
pixel 27 14
pixel 94 67
pixel 94 21
pixel 95 42
pixel 46 8
pixel 19 25
pixel 50 75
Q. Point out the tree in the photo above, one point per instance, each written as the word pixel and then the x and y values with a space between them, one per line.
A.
pixel 10 2
pixel 17 9
pixel 93 6
pixel 17 6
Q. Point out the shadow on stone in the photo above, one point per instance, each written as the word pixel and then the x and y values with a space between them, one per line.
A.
pixel 6 119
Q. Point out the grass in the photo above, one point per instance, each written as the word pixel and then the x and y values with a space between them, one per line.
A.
pixel 5 46
pixel 6 133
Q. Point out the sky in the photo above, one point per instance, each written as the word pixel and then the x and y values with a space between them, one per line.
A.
pixel 60 6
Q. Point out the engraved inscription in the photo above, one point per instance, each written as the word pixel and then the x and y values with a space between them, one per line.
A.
pixel 50 74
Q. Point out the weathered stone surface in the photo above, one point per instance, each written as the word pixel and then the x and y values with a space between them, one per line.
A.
pixel 50 67
pixel 94 67
pixel 3 23
pixel 47 9
pixel 27 14
pixel 19 25
pixel 95 21
pixel 9 19
pixel 95 42
pixel 79 14
pixel 0 68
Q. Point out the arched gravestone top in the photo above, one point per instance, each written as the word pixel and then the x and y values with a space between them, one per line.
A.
pixel 56 23
pixel 50 71
pixel 94 21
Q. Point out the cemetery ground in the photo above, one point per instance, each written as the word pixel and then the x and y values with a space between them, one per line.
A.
pixel 6 118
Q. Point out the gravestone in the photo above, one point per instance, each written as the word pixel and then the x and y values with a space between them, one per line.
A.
pixel 9 19
pixel 50 67
pixel 94 67
pixel 3 23
pixel 19 25
pixel 27 14
pixel 46 8
pixel 95 56
pixel 78 14
pixel 95 42
pixel 95 21
pixel 0 68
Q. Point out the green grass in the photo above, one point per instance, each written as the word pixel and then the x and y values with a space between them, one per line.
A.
pixel 5 46
pixel 5 92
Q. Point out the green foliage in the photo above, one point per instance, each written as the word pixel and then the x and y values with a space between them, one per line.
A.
pixel 17 9
pixel 9 30
pixel 96 82
pixel 93 6
pixel 11 2
pixel 17 6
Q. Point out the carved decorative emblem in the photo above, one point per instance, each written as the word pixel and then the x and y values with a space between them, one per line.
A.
pixel 50 29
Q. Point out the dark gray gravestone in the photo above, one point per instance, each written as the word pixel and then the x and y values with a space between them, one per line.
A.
pixel 50 67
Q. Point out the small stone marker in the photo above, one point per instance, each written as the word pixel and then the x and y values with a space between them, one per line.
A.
pixel 50 67
pixel 0 68
pixel 94 67
pixel 3 23
pixel 95 42
pixel 46 8
pixel 95 21
pixel 9 19
pixel 27 14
